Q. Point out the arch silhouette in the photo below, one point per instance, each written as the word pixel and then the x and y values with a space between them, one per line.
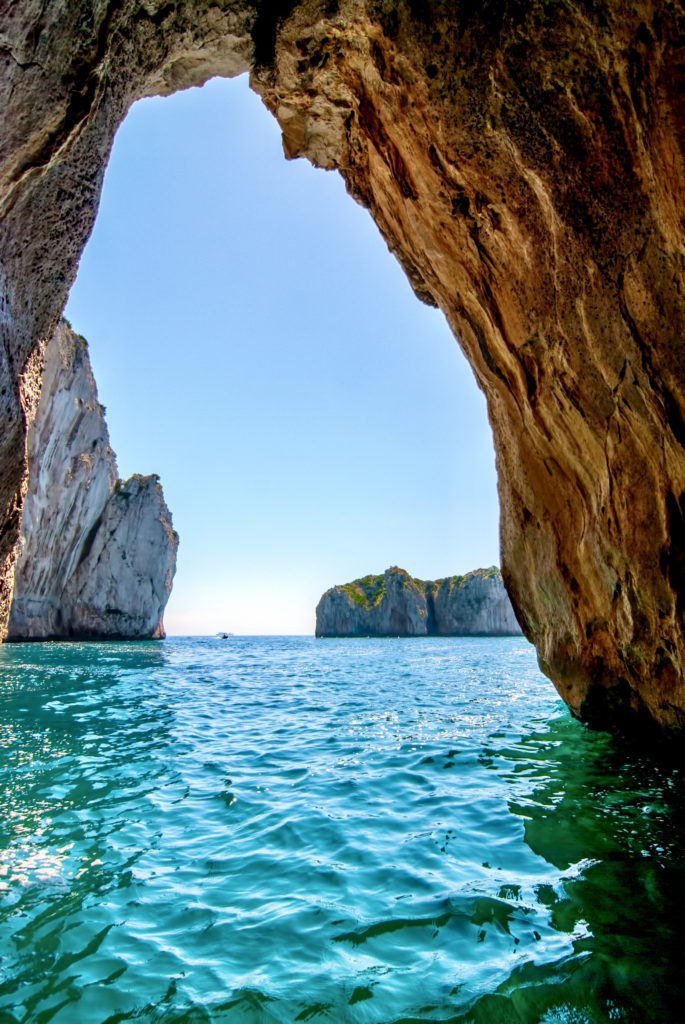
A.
pixel 526 168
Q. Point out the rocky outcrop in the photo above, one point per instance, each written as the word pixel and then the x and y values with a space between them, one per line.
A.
pixel 396 604
pixel 473 605
pixel 393 604
pixel 525 163
pixel 97 555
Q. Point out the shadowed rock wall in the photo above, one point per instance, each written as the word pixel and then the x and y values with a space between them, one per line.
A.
pixel 524 161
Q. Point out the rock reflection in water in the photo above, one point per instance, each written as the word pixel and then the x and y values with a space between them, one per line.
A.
pixel 613 824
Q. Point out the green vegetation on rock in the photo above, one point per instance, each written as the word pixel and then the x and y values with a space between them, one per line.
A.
pixel 397 604
pixel 369 591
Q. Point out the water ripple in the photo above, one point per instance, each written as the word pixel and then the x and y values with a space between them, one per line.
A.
pixel 366 832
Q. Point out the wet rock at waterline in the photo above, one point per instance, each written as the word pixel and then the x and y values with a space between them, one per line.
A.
pixel 97 554
pixel 525 164
pixel 396 604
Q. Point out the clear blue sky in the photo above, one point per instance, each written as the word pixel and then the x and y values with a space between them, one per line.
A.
pixel 258 347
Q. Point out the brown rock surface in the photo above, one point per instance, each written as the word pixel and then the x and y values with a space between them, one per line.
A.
pixel 524 161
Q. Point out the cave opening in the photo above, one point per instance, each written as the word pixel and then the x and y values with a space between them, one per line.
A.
pixel 258 347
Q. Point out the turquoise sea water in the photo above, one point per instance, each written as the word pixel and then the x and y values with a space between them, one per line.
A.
pixel 364 831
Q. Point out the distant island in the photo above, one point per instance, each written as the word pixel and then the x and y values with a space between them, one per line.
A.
pixel 397 604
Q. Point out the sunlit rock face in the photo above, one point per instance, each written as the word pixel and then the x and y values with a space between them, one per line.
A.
pixel 524 163
pixel 396 604
pixel 97 555
pixel 476 604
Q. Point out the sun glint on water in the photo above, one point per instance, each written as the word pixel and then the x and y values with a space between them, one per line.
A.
pixel 364 831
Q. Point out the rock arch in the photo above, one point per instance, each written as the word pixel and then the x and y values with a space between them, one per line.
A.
pixel 524 162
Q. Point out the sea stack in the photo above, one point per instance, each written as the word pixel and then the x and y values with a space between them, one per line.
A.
pixel 396 604
pixel 97 554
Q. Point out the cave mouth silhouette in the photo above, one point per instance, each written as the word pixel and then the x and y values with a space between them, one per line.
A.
pixel 545 222
pixel 335 429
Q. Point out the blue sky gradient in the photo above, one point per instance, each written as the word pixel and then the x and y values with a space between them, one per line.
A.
pixel 258 347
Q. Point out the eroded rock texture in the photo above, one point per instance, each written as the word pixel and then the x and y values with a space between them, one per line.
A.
pixel 97 554
pixel 396 604
pixel 524 161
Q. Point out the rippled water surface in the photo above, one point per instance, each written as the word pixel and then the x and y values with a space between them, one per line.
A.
pixel 283 829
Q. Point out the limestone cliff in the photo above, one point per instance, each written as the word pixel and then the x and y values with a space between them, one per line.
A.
pixel 396 604
pixel 526 164
pixel 97 555
pixel 473 605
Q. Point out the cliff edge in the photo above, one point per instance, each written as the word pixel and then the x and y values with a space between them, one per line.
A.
pixel 97 555
pixel 396 604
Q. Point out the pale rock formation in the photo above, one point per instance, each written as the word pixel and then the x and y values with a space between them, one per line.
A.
pixel 388 605
pixel 97 555
pixel 396 604
pixel 473 605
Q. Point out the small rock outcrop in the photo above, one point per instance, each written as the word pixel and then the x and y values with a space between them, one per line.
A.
pixel 396 604
pixel 97 555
